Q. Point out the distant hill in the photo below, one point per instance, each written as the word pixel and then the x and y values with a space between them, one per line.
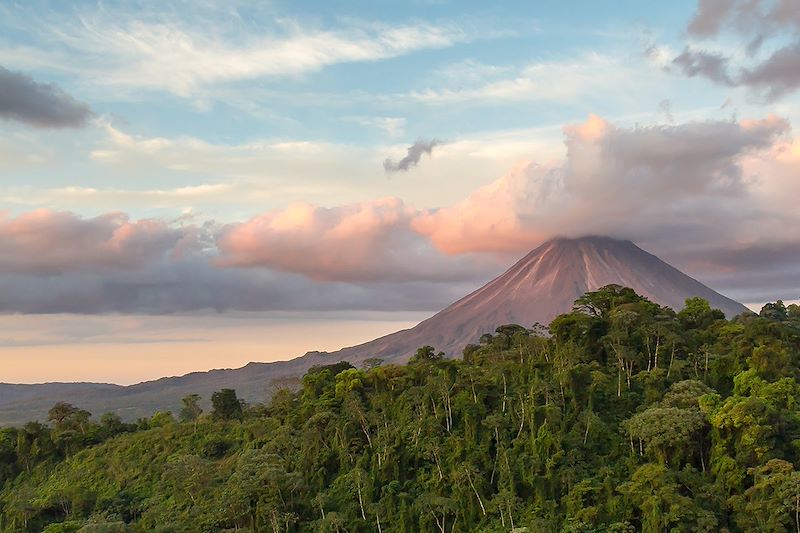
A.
pixel 540 286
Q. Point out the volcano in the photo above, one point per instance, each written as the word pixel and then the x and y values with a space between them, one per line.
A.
pixel 540 286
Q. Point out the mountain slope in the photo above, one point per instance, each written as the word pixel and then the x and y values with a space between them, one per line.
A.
pixel 540 286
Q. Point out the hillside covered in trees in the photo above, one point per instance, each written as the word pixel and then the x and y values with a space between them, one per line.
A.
pixel 623 416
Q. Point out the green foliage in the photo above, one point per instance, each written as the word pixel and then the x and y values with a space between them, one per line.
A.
pixel 227 406
pixel 427 353
pixel 624 417
pixel 191 410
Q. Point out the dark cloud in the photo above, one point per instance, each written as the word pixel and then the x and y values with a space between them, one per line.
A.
pixel 709 17
pixel 756 21
pixel 778 75
pixel 42 105
pixel 194 284
pixel 757 18
pixel 693 63
pixel 412 158
pixel 752 273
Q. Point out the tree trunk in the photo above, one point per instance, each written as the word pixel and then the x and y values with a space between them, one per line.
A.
pixel 671 358
pixel 361 501
pixel 471 484
pixel 658 345
pixel 505 391
pixel 439 524
pixel 586 433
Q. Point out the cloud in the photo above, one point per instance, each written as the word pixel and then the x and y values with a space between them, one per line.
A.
pixel 763 24
pixel 241 179
pixel 45 242
pixel 155 49
pixel 191 283
pixel 366 259
pixel 716 198
pixel 759 17
pixel 195 59
pixel 751 272
pixel 42 105
pixel 665 106
pixel 672 188
pixel 620 181
pixel 413 156
pixel 571 80
pixel 392 126
pixel 705 64
pixel 708 17
pixel 260 159
pixel 778 75
pixel 367 242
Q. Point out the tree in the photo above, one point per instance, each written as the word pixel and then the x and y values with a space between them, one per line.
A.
pixel 191 410
pixel 111 424
pixel 427 354
pixel 774 311
pixel 70 426
pixel 663 504
pixel 371 362
pixel 333 368
pixel 668 434
pixel 66 416
pixel 600 302
pixel 773 502
pixel 697 312
pixel 227 406
pixel 257 493
pixel 188 477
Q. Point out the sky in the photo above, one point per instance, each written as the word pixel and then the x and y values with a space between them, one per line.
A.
pixel 197 185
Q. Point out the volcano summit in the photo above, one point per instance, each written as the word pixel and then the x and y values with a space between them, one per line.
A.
pixel 539 287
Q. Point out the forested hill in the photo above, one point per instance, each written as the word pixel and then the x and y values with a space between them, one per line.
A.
pixel 625 416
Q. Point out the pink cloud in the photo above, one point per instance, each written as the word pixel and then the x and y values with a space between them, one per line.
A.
pixel 369 241
pixel 52 242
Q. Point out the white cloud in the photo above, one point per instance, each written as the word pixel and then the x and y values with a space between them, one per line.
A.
pixel 160 51
pixel 271 173
pixel 563 81
pixel 392 126
pixel 76 197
